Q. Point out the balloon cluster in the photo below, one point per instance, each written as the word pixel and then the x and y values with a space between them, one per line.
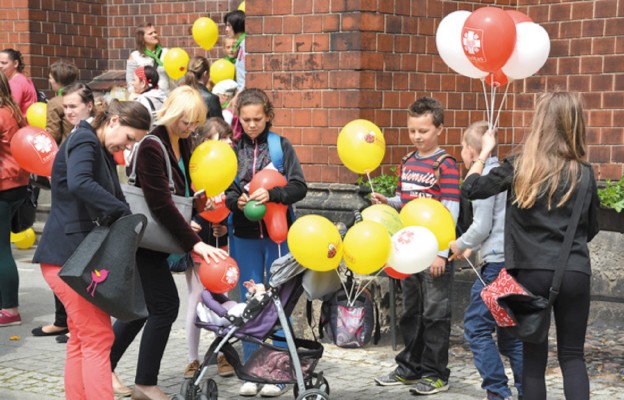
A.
pixel 405 243
pixel 501 44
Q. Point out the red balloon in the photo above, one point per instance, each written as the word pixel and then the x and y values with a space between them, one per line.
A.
pixel 119 157
pixel 489 38
pixel 393 273
pixel 276 222
pixel 34 150
pixel 497 79
pixel 266 179
pixel 219 277
pixel 518 17
pixel 217 215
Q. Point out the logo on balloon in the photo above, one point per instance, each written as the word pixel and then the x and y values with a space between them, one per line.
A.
pixel 472 42
pixel 43 144
pixel 331 253
pixel 231 275
pixel 405 237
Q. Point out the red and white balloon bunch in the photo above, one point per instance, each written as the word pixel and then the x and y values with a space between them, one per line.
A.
pixel 493 45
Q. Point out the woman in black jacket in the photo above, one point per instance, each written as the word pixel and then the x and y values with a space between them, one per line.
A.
pixel 542 182
pixel 197 77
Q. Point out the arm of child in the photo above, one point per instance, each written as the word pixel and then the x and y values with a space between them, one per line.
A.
pixel 479 230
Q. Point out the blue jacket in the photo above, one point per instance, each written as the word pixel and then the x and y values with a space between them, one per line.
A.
pixel 85 187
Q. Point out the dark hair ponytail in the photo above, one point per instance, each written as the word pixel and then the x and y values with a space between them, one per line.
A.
pixel 16 55
pixel 130 113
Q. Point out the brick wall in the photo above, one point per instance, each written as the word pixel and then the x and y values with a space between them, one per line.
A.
pixel 327 62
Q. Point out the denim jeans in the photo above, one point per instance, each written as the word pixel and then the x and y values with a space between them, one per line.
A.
pixel 479 325
pixel 426 325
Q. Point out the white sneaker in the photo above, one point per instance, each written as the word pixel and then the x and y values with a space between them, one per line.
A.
pixel 248 389
pixel 273 390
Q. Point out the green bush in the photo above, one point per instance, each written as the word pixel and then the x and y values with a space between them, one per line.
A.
pixel 383 184
pixel 612 195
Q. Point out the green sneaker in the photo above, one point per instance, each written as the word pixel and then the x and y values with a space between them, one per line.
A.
pixel 429 385
pixel 393 378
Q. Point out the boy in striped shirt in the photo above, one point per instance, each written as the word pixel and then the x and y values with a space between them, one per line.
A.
pixel 426 321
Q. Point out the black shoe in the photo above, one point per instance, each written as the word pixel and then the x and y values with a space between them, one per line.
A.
pixel 62 339
pixel 39 332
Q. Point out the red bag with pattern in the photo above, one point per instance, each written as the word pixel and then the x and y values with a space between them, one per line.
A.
pixel 503 285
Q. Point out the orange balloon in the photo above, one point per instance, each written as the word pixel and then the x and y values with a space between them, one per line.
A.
pixel 34 150
pixel 219 277
pixel 275 217
pixel 217 215
pixel 267 179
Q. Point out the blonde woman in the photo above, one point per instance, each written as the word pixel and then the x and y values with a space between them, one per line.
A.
pixel 183 110
pixel 542 183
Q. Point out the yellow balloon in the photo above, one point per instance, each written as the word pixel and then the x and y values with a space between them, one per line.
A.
pixel 315 243
pixel 361 146
pixel 25 239
pixel 385 215
pixel 241 6
pixel 213 167
pixel 367 247
pixel 205 32
pixel 37 115
pixel 431 214
pixel 221 70
pixel 176 63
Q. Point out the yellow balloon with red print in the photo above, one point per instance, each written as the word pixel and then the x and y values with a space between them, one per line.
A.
pixel 361 146
pixel 367 247
pixel 430 214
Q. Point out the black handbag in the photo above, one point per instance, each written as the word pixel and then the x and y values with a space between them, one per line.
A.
pixel 103 268
pixel 531 313
pixel 25 215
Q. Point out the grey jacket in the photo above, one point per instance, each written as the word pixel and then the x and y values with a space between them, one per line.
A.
pixel 488 225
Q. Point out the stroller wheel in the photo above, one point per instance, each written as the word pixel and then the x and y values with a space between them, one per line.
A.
pixel 317 381
pixel 209 390
pixel 188 390
pixel 313 394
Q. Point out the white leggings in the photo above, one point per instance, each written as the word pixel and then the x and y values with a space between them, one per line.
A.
pixel 195 288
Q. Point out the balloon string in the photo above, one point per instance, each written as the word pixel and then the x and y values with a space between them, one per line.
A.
pixel 344 287
pixel 363 288
pixel 501 105
pixel 279 251
pixel 487 104
pixel 475 270
pixel 492 104
pixel 370 182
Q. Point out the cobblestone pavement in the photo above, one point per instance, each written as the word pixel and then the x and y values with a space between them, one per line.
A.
pixel 32 368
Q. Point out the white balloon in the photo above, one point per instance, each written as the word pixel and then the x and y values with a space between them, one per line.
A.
pixel 531 52
pixel 413 250
pixel 449 44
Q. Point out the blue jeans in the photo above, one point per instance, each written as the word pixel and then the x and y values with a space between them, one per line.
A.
pixel 478 328
pixel 254 258
pixel 426 325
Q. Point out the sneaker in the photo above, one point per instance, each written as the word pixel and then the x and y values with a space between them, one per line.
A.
pixel 273 390
pixel 190 369
pixel 429 385
pixel 224 368
pixel 248 389
pixel 7 319
pixel 393 378
pixel 496 396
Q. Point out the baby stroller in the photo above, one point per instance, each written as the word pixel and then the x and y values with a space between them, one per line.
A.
pixel 261 318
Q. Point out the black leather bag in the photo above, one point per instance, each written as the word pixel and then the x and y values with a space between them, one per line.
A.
pixel 24 218
pixel 103 268
pixel 531 312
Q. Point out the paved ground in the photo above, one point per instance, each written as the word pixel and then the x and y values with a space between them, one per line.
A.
pixel 32 368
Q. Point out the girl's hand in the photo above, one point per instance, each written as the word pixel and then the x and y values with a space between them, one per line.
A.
pixel 488 142
pixel 242 200
pixel 377 198
pixel 219 230
pixel 207 252
pixel 195 227
pixel 438 267
pixel 210 204
pixel 261 195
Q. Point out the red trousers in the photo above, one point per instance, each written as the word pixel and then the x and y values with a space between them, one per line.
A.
pixel 88 373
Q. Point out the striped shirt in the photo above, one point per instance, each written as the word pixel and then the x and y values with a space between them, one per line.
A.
pixel 417 178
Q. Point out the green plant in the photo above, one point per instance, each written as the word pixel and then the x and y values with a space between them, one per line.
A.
pixel 612 195
pixel 383 184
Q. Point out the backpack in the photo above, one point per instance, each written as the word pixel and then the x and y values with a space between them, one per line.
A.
pixel 349 324
pixel 41 97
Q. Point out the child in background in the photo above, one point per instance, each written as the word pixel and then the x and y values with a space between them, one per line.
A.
pixel 230 49
pixel 486 233
pixel 426 321
pixel 145 84
pixel 226 90
pixel 214 234
pixel 61 74
pixel 257 250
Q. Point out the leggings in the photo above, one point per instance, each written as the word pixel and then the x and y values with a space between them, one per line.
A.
pixel 9 278
pixel 571 312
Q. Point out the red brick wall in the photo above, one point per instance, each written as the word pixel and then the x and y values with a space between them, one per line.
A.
pixel 325 63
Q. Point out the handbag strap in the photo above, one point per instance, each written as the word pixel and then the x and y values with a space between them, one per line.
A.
pixel 564 253
pixel 132 177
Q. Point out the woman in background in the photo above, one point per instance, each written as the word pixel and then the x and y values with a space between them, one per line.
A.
pixel 148 52
pixel 197 77
pixel 22 88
